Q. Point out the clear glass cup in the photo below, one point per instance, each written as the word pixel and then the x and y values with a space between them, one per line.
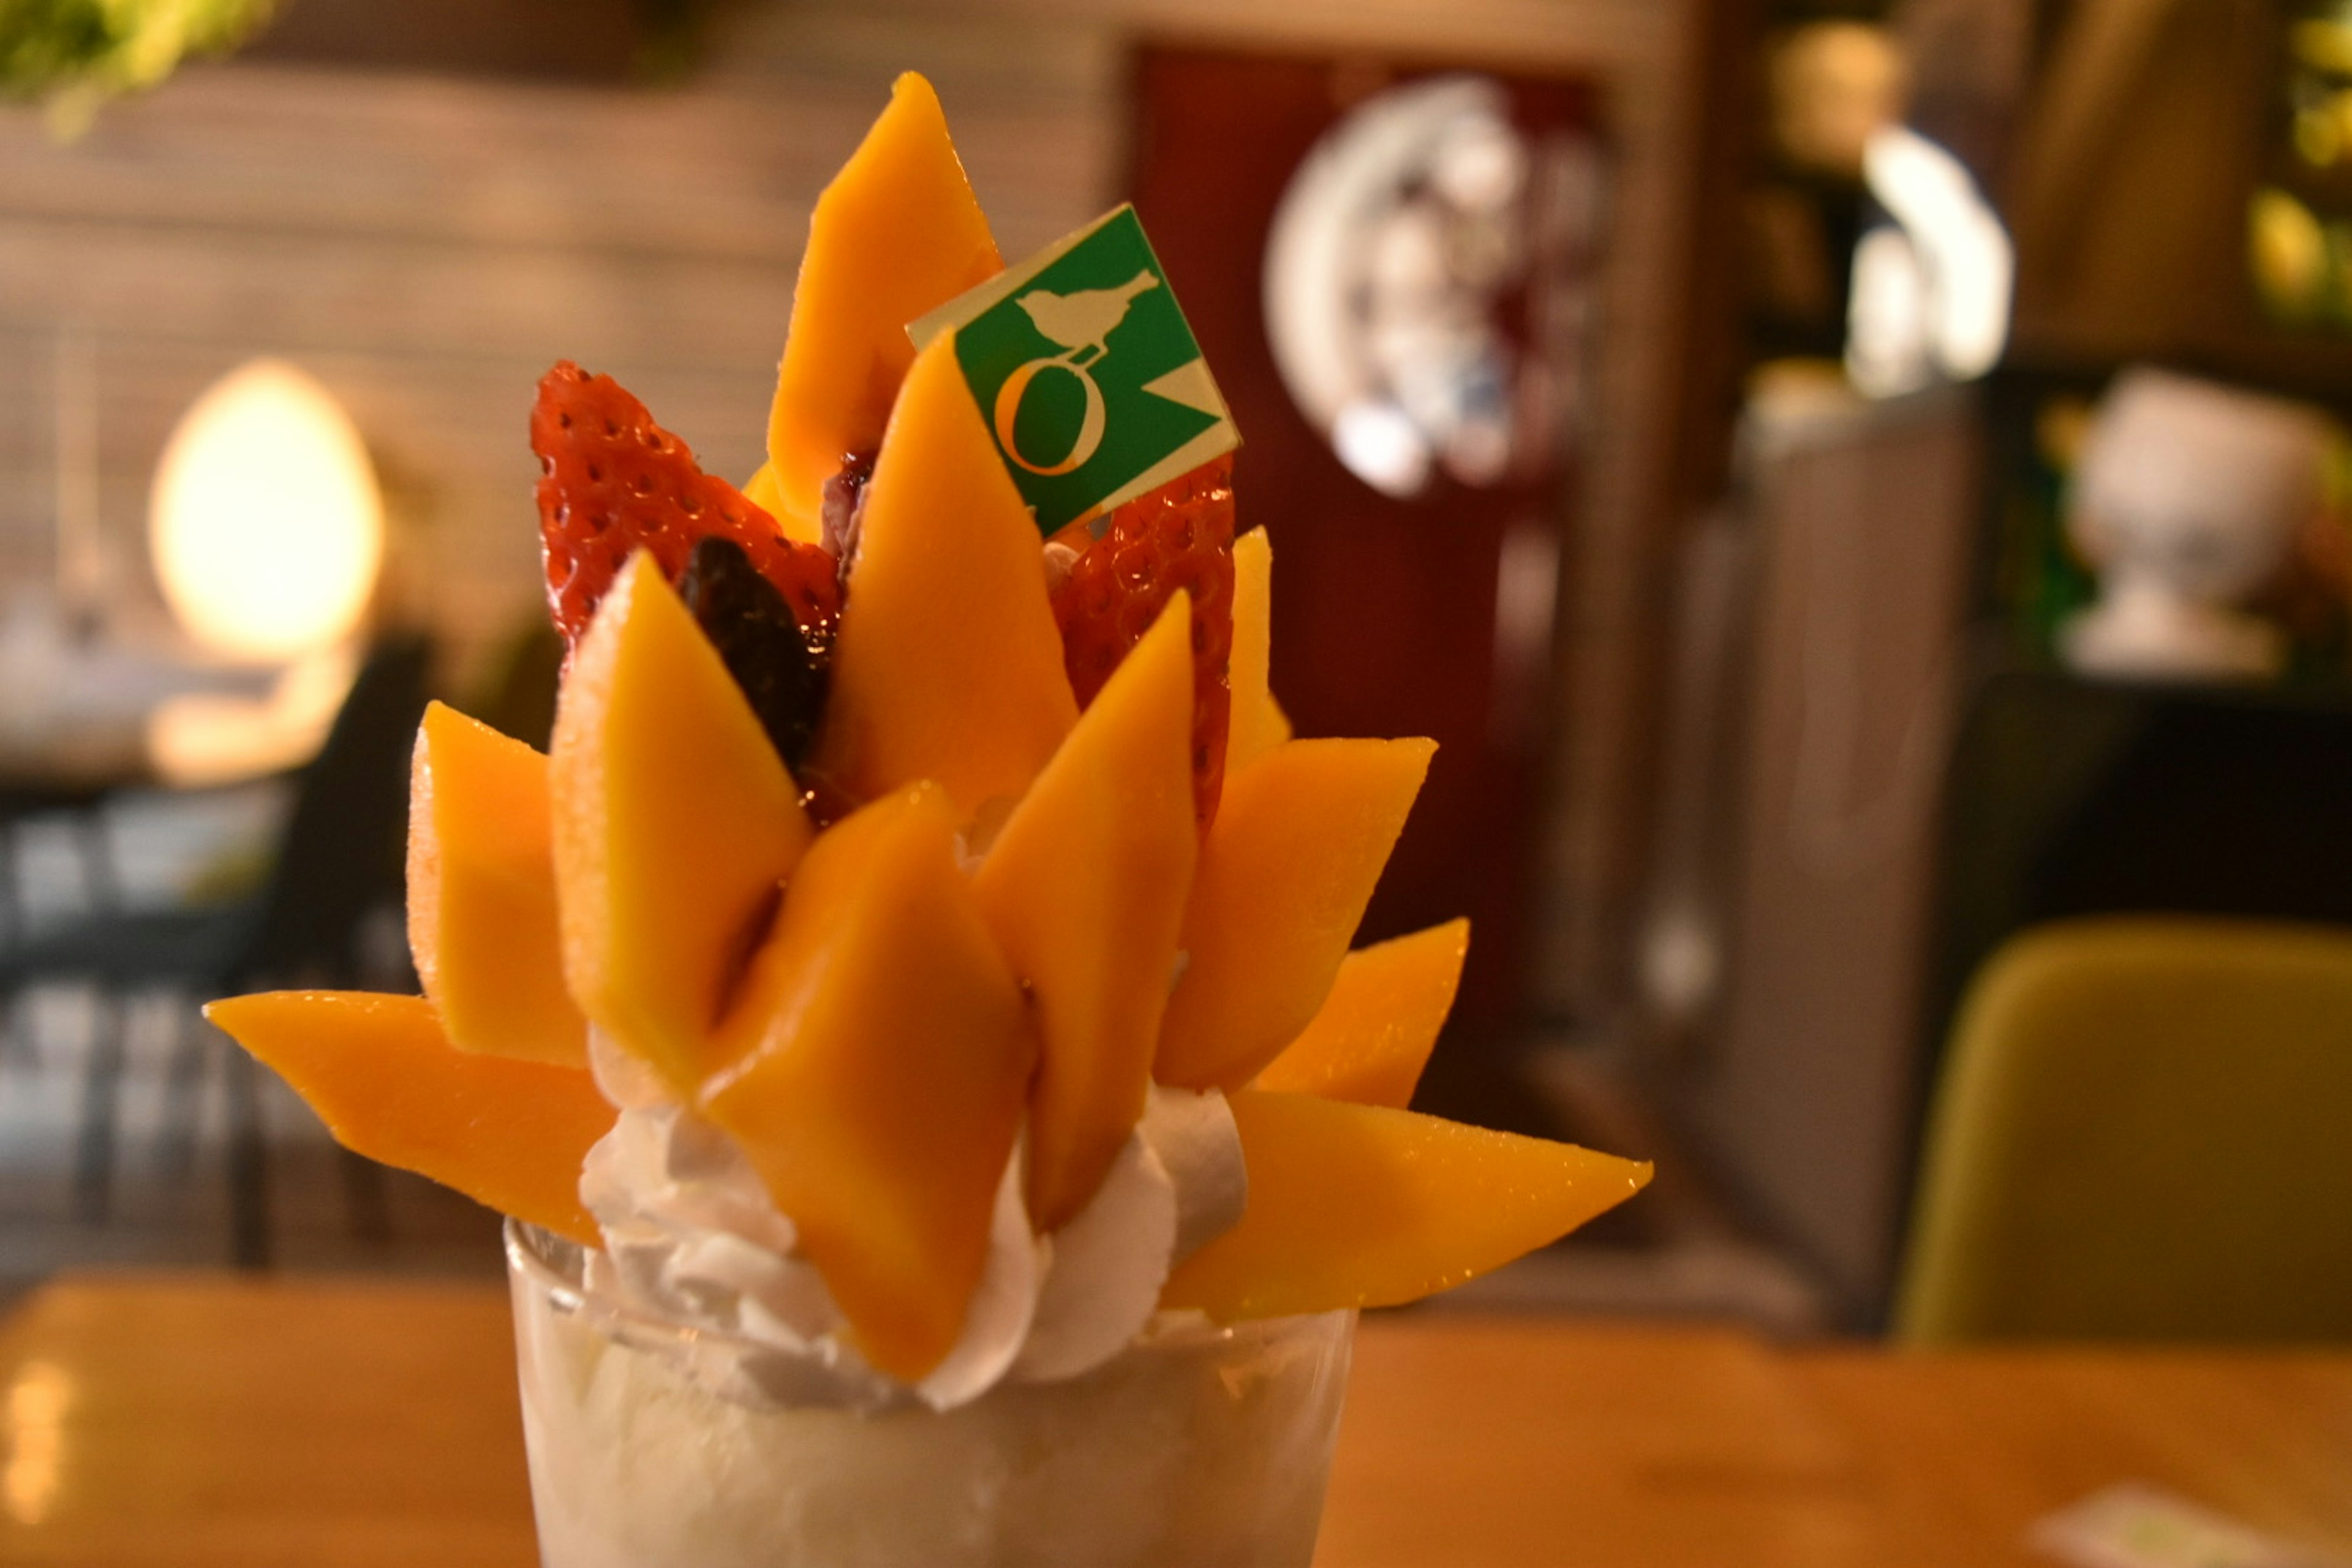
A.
pixel 1203 1447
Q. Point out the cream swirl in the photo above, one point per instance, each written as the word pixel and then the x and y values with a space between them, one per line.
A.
pixel 692 1238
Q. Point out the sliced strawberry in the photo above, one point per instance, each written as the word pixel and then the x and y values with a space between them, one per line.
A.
pixel 612 481
pixel 1178 536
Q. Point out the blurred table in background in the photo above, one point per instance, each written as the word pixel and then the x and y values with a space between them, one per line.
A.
pixel 196 1421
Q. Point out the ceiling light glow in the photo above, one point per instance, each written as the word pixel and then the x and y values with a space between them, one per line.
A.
pixel 264 521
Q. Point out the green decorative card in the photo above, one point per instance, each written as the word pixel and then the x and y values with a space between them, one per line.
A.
pixel 1085 370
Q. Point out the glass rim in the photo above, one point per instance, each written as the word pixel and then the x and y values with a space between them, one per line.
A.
pixel 532 1255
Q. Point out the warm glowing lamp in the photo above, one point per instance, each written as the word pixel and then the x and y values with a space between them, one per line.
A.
pixel 265 523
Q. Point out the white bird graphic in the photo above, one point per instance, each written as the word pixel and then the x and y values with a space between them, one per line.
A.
pixel 1082 320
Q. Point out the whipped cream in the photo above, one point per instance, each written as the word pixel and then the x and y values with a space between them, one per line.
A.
pixel 692 1239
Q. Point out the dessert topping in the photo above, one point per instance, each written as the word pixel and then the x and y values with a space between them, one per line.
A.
pixel 780 665
pixel 896 232
pixel 690 1236
pixel 845 507
pixel 1088 374
pixel 840 1164
pixel 612 481
pixel 1178 536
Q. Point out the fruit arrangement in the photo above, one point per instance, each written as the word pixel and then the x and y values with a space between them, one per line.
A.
pixel 880 857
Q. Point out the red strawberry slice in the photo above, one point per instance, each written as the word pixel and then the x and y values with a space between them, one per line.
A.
pixel 1178 536
pixel 612 481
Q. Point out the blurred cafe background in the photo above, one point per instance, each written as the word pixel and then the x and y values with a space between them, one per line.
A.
pixel 1857 488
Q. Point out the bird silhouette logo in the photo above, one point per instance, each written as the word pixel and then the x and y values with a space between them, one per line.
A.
pixel 1082 323
pixel 1085 371
pixel 1087 318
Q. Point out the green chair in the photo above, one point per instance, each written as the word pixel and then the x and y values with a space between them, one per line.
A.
pixel 2144 1132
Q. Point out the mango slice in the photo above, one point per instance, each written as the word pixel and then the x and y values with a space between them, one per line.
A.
pixel 1361 1205
pixel 482 924
pixel 1284 874
pixel 675 821
pixel 1085 890
pixel 389 1084
pixel 1259 724
pixel 882 1087
pixel 1376 1030
pixel 948 665
pixel 762 491
pixel 895 235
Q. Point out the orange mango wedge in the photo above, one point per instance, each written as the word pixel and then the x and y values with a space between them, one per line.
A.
pixel 895 235
pixel 880 1091
pixel 1085 890
pixel 1361 1205
pixel 1284 874
pixel 675 823
pixel 764 490
pixel 1375 1031
pixel 389 1084
pixel 1259 724
pixel 948 665
pixel 482 924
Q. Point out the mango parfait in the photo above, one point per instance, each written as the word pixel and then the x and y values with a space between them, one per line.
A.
pixel 907 1014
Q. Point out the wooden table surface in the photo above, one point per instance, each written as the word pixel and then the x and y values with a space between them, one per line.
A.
pixel 201 1421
